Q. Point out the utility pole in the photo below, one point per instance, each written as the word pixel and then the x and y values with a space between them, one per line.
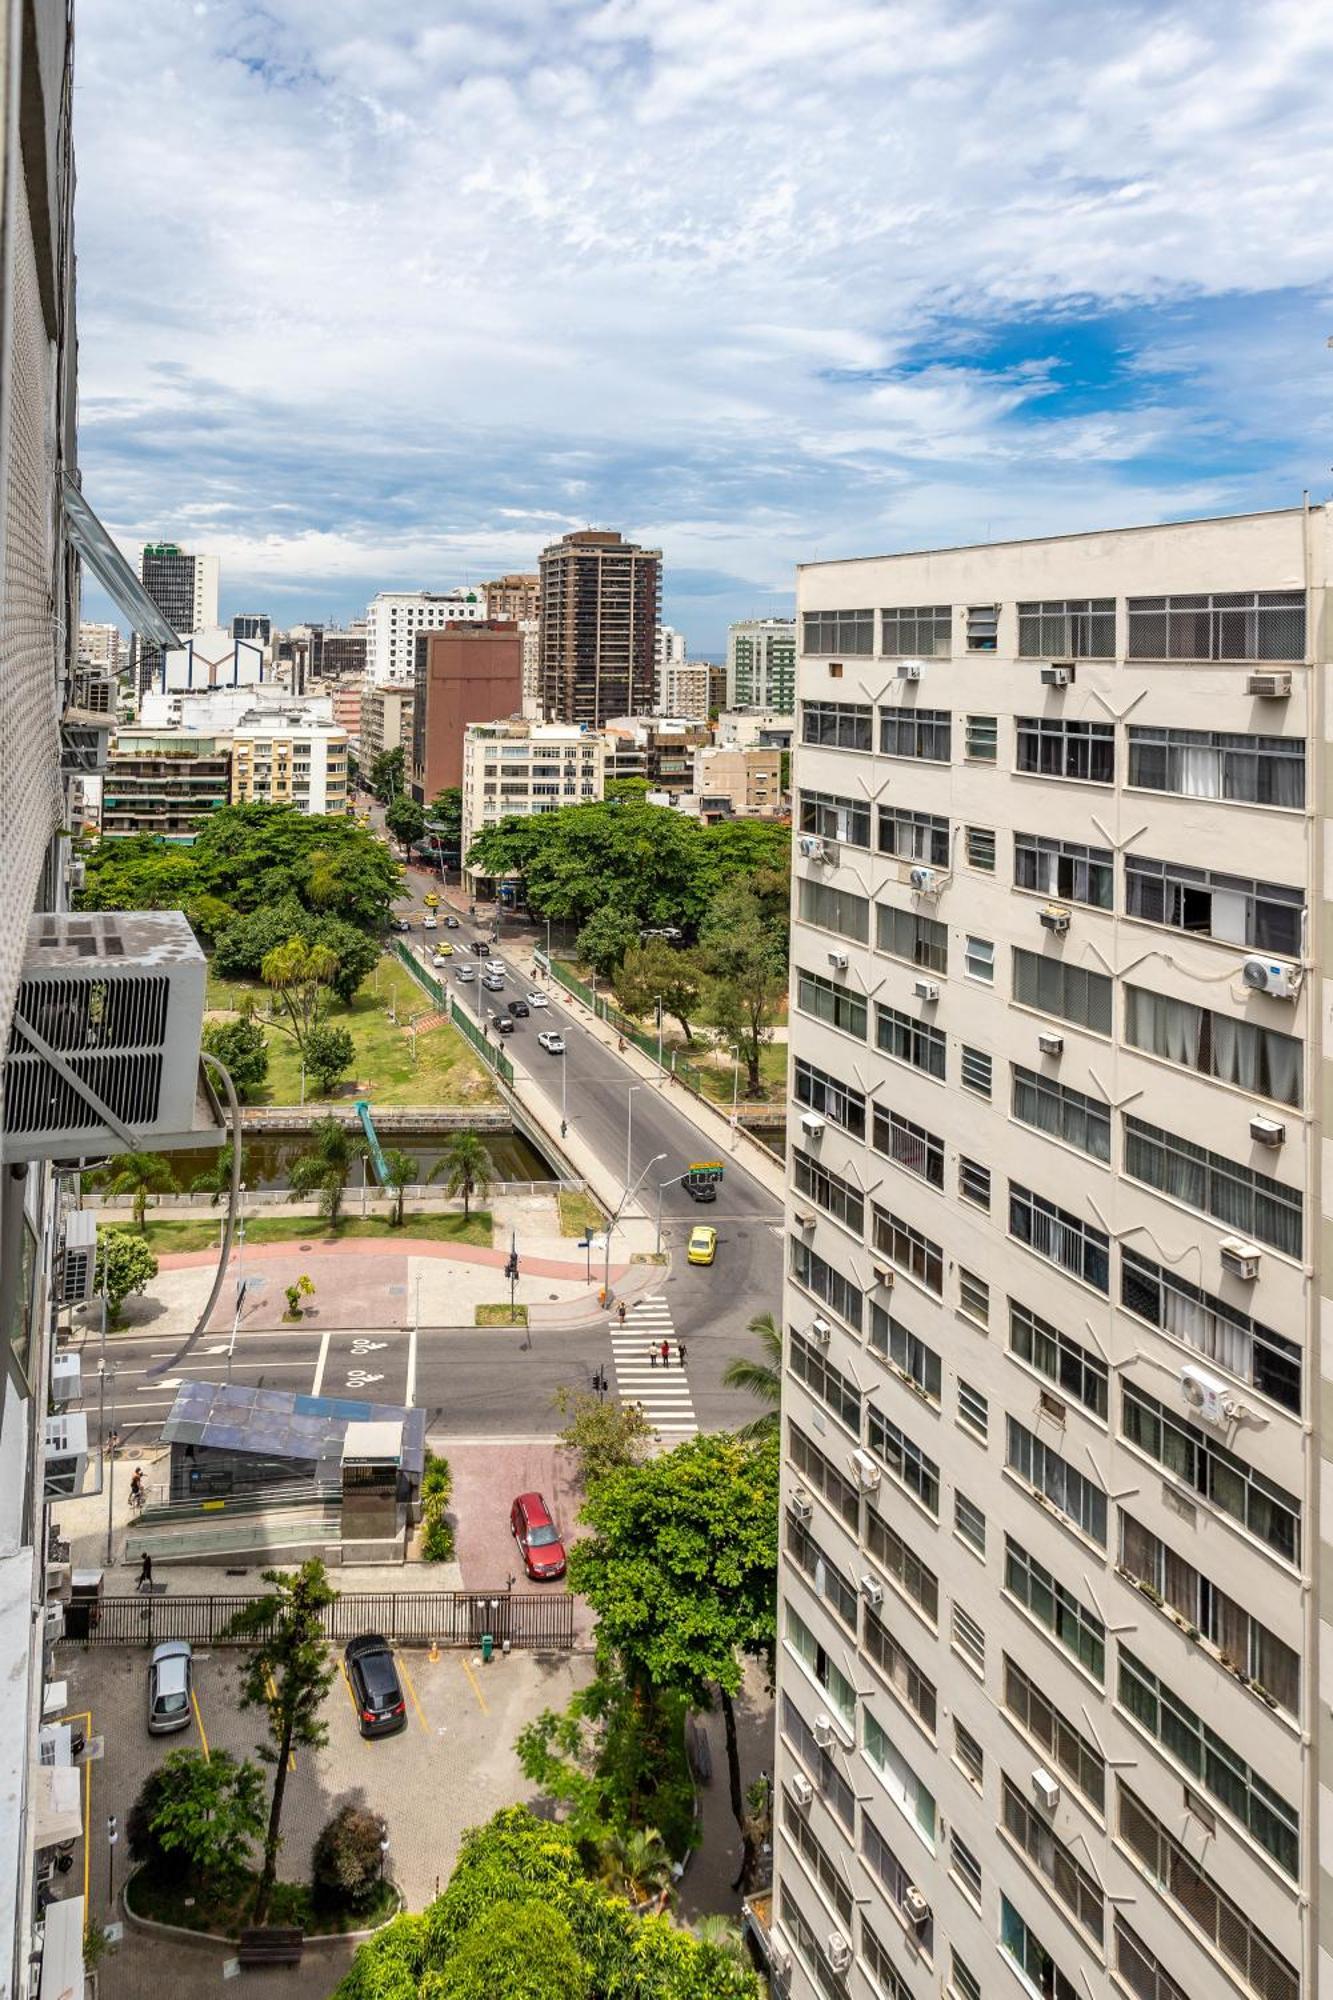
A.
pixel 626 1199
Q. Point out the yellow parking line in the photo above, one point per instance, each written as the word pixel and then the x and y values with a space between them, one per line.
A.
pixel 481 1699
pixel 407 1682
pixel 200 1720
pixel 86 1716
pixel 347 1682
pixel 271 1685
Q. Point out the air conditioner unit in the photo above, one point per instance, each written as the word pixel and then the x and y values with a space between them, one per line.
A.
pixel 926 989
pixel 1054 917
pixel 802 1506
pixel 1051 1045
pixel 1206 1396
pixel 812 1124
pixel 1045 1789
pixel 923 881
pixel 804 1218
pixel 823 1732
pixel 867 1472
pixel 910 670
pixel 65 1453
pixel 78 1268
pixel 1271 976
pixel 915 1907
pixel 1054 676
pixel 66 1376
pixel 1051 1407
pixel 1269 687
pixel 811 847
pixel 801 1789
pixel 837 1951
pixel 53 1624
pixel 838 960
pixel 821 1331
pixel 1240 1258
pixel 872 1592
pixel 1268 1131
pixel 883 1274
pixel 92 691
pixel 104 1048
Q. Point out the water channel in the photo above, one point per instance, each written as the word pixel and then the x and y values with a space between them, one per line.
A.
pixel 268 1156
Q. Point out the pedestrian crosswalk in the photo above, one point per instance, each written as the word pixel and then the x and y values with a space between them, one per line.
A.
pixel 662 1389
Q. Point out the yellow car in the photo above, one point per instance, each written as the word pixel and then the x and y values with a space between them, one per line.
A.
pixel 443 950
pixel 703 1246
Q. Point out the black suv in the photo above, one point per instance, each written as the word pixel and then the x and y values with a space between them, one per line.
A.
pixel 373 1679
pixel 519 1009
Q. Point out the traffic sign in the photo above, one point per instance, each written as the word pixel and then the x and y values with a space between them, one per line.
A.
pixel 703 1171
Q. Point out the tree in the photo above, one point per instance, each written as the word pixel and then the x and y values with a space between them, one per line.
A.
pixel 626 791
pixel 287 1672
pixel 125 1264
pixel 639 1865
pixel 523 1950
pixel 680 1568
pixel 400 1171
pixel 216 1180
pixel 247 940
pixel 299 974
pixel 605 939
pixel 406 821
pixel 208 1811
pixel 242 1048
pixel 606 1435
pixel 760 1379
pixel 329 1053
pixel 748 957
pixel 386 775
pixel 466 1168
pixel 444 816
pixel 326 1167
pixel 137 1175
pixel 654 971
pixel 348 1860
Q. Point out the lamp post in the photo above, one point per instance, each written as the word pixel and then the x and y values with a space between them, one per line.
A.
pixel 629 1127
pixel 564 1086
pixel 661 1073
pixel 626 1198
pixel 112 1836
pixel 662 1187
pixel 384 1847
pixel 303 1080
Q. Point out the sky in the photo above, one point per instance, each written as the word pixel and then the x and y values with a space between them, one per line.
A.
pixel 388 297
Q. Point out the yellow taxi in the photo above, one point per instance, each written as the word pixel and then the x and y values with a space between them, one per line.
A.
pixel 443 950
pixel 703 1245
pixel 431 901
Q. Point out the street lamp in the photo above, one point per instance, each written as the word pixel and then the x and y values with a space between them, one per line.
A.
pixel 629 1126
pixel 112 1836
pixel 661 1073
pixel 626 1199
pixel 384 1847
pixel 662 1186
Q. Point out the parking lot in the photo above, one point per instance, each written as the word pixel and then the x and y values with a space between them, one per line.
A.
pixel 450 1768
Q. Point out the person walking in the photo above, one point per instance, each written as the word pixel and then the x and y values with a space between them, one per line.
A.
pixel 680 1352
pixel 620 1312
pixel 652 1357
pixel 145 1572
pixel 136 1489
pixel 665 1351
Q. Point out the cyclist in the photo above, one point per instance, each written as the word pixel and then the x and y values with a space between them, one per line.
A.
pixel 136 1488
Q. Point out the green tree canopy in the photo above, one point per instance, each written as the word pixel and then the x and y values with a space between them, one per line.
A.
pixel 656 970
pixel 246 941
pixel 444 815
pixel 747 953
pixel 525 1951
pixel 300 974
pixel 760 1379
pixel 125 1264
pixel 465 1167
pixel 326 1166
pixel 406 821
pixel 242 1048
pixel 137 1175
pixel 386 774
pixel 606 939
pixel 400 1174
pixel 209 1811
pixel 330 1053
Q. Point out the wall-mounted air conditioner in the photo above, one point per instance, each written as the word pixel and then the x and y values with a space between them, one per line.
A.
pixel 1054 917
pixel 915 1906
pixel 802 1791
pixel 1269 687
pixel 1207 1397
pixel 65 1453
pixel 78 1264
pixel 837 1951
pixel 66 1376
pixel 1045 1790
pixel 810 847
pixel 53 1624
pixel 872 1591
pixel 1268 1131
pixel 1051 1045
pixel 811 1124
pixel 910 670
pixel 802 1506
pixel 838 960
pixel 867 1472
pixel 820 1331
pixel 1271 976
pixel 822 1731
pixel 923 880
pixel 1060 674
pixel 926 989
pixel 804 1218
pixel 1240 1258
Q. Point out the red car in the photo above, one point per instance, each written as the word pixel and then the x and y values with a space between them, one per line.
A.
pixel 537 1536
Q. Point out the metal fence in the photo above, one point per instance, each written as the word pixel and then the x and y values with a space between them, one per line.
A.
pixel 448 1004
pixel 420 1191
pixel 541 1623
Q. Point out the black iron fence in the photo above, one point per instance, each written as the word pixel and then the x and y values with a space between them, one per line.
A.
pixel 537 1622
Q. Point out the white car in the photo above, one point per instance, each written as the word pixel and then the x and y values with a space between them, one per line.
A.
pixel 493 982
pixel 536 999
pixel 466 972
pixel 497 966
pixel 428 923
pixel 554 1044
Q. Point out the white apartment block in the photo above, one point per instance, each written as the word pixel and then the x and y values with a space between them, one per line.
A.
pixel 1055 1594
pixel 396 616
pixel 761 664
pixel 519 767
pixel 289 759
pixel 102 646
pixel 683 689
pixel 386 721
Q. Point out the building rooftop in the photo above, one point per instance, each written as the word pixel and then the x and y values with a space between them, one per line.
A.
pixel 1076 535
pixel 274 1423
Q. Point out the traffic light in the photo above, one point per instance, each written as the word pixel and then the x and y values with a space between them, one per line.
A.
pixel 511 1264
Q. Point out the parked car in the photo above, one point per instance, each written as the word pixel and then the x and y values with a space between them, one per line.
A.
pixel 504 1024
pixel 466 972
pixel 554 1044
pixel 703 1245
pixel 519 1009
pixel 493 982
pixel 429 922
pixel 373 1679
pixel 538 1000
pixel 170 1685
pixel 537 1536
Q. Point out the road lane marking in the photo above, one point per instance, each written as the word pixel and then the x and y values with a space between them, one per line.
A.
pixel 194 1697
pixel 410 1393
pixel 407 1678
pixel 318 1382
pixel 481 1699
pixel 347 1678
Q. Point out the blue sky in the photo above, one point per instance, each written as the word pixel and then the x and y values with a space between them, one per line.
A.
pixel 378 297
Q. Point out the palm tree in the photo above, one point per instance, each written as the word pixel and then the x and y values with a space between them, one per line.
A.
pixel 466 1168
pixel 400 1170
pixel 760 1379
pixel 639 1864
pixel 139 1175
pixel 216 1180
pixel 326 1168
pixel 723 1934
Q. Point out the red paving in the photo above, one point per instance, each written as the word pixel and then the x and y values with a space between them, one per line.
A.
pixel 371 1246
pixel 488 1475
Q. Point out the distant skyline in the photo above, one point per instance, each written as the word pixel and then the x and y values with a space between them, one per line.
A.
pixel 390 298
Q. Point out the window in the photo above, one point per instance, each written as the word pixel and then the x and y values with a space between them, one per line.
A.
pixel 1268 1361
pixel 915 732
pixel 973 1296
pixel 906 1462
pixel 1239 1197
pixel 833 1786
pixel 904 1565
pixel 1031 1957
pixel 1234 909
pixel 1260 1060
pixel 1079 1499
pixel 969 1639
pixel 981 738
pixel 801 1835
pixel 803 1935
pixel 1266 1509
pixel 1217 764
pixel 900 1780
pixel 829 1384
pixel 920 940
pixel 979 960
pixel 973 1409
pixel 1061 1238
pixel 1062 1111
pixel 970 1523
pixel 900 1670
pixel 837 1101
pixel 974 1182
pixel 983 621
pixel 840 1692
pixel 1034 1712
pixel 910 1041
pixel 826 1001
pixel 838 632
pixel 896 1879
pixel 1065 868
pixel 1067 991
pixel 962 1979
pixel 837 725
pixel 834 909
pixel 1148 1978
pixel 976 1071
pixel 910 1146
pixel 964 1867
pixel 1050 747
pixel 968 1753
pixel 810 1270
pixel 829 1191
pixel 1222 1772
pixel 909 1355
pixel 1071 628
pixel 981 848
pixel 1061 1359
pixel 845 820
pixel 821 1571
pixel 823 1475
pixel 1079 1631
pixel 1236 625
pixel 923 632
pixel 914 836
pixel 1072 1883
pixel 1243 1642
pixel 908 1250
pixel 881 1968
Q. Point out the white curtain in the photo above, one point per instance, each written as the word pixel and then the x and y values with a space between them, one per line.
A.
pixel 1199 772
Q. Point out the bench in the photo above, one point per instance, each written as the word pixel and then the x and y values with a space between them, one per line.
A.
pixel 274 1945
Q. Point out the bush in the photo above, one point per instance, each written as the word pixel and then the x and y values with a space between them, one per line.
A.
pixel 437 1477
pixel 437 1534
pixel 329 1054
pixel 437 1538
pixel 346 1866
pixel 242 1048
pixel 141 1836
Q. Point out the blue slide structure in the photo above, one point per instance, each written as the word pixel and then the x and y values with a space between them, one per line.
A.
pixel 377 1159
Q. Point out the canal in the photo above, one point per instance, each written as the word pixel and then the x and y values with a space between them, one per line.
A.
pixel 267 1157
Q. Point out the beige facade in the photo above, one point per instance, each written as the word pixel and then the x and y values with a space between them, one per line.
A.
pixel 517 596
pixel 750 779
pixel 347 698
pixel 683 689
pixel 518 767
pixel 290 761
pixel 1053 1657
pixel 386 721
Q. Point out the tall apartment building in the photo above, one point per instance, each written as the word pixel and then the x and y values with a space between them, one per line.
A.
pixel 164 781
pixel 600 610
pixel 396 616
pixel 761 665
pixel 1055 1608
pixel 518 596
pixel 521 767
pixel 683 689
pixel 289 759
pixel 184 588
pixel 386 722
pixel 342 652
pixel 465 673
pixel 102 646
pixel 348 699
pixel 256 625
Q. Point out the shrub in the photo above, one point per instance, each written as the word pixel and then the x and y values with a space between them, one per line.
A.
pixel 141 1835
pixel 346 1866
pixel 437 1534
pixel 437 1538
pixel 437 1478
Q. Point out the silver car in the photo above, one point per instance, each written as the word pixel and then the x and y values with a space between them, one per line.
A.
pixel 169 1688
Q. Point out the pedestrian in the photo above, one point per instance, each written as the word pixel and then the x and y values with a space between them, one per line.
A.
pixel 620 1311
pixel 680 1352
pixel 666 1353
pixel 652 1357
pixel 145 1572
pixel 136 1488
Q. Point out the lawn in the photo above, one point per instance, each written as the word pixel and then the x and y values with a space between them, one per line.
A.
pixel 580 1215
pixel 175 1238
pixel 501 1315
pixel 717 1077
pixel 444 1070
